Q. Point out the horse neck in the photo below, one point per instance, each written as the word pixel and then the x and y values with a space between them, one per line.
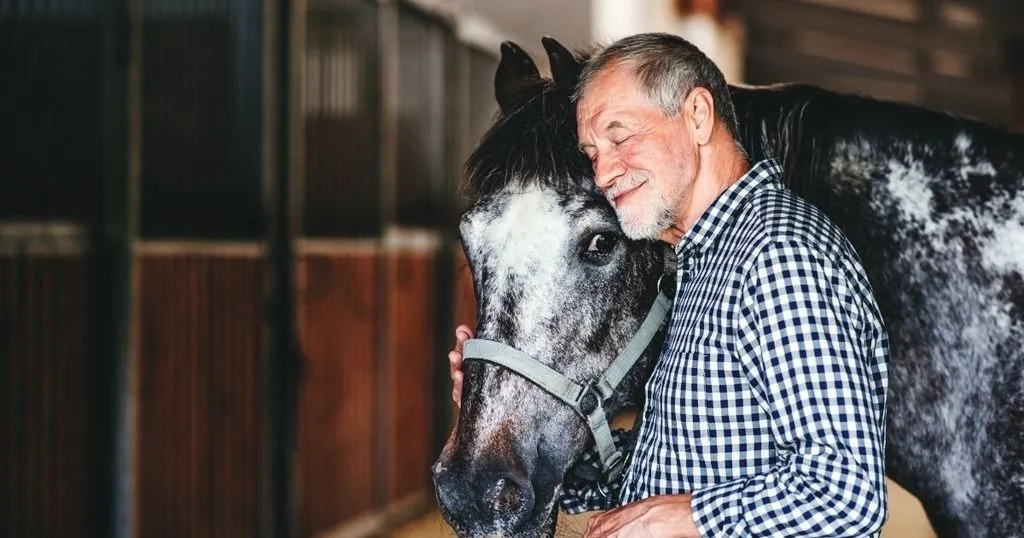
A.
pixel 811 130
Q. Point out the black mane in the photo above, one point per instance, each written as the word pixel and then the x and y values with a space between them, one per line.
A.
pixel 803 126
pixel 533 144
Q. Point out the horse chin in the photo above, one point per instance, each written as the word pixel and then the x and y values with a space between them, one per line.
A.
pixel 545 530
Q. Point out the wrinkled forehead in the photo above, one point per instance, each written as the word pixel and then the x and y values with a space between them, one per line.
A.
pixel 521 226
pixel 615 85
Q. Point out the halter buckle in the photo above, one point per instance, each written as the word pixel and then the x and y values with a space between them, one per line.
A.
pixel 614 465
pixel 589 399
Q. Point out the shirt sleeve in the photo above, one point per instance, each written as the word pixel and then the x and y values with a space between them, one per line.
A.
pixel 585 489
pixel 816 355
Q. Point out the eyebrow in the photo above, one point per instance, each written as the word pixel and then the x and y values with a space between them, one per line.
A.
pixel 614 124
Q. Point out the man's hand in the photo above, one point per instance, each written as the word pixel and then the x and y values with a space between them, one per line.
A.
pixel 462 333
pixel 660 516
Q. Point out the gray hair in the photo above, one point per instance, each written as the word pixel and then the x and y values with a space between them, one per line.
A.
pixel 667 68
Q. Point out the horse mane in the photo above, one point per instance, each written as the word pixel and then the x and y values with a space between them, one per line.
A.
pixel 805 125
pixel 532 144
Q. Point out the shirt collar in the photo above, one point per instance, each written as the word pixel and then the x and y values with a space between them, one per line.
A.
pixel 711 223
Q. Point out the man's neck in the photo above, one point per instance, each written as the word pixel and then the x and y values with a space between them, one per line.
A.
pixel 718 170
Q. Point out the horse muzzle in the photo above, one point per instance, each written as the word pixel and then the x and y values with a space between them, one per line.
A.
pixel 488 501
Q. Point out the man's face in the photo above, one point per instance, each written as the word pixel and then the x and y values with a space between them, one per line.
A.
pixel 644 161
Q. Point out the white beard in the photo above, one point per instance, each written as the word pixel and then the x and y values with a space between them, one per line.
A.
pixel 642 219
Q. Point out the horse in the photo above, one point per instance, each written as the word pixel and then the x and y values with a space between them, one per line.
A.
pixel 929 200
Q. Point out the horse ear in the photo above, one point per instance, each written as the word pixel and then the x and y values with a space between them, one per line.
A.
pixel 565 66
pixel 516 71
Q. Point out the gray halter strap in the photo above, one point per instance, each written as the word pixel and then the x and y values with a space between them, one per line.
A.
pixel 587 400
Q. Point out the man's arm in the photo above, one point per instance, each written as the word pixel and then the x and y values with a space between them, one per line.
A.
pixel 803 345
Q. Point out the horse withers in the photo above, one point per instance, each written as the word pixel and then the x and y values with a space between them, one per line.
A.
pixel 931 202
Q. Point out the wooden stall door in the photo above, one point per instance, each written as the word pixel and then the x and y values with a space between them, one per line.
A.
pixel 49 404
pixel 200 336
pixel 411 369
pixel 337 319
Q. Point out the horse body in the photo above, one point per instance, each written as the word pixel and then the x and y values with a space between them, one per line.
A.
pixel 929 201
pixel 932 204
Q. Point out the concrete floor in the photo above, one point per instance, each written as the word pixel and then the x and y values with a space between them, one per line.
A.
pixel 906 520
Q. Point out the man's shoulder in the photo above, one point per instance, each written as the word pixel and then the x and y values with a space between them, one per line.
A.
pixel 781 217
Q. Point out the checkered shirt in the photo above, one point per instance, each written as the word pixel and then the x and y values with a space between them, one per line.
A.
pixel 768 401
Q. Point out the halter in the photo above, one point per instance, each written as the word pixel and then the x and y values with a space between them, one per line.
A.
pixel 587 399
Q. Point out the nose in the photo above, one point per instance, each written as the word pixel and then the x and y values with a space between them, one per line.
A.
pixel 607 168
pixel 511 499
pixel 485 501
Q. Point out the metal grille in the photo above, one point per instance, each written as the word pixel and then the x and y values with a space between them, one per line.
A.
pixel 200 111
pixel 51 156
pixel 482 104
pixel 424 170
pixel 342 111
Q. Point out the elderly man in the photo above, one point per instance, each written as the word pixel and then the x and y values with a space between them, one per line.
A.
pixel 765 414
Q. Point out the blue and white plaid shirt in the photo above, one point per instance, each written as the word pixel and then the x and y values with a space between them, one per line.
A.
pixel 768 402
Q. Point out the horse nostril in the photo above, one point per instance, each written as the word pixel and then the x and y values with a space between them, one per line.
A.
pixel 511 500
pixel 508 497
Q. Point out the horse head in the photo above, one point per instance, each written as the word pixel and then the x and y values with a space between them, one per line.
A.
pixel 556 282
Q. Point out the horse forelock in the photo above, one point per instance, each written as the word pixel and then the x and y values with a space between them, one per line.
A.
pixel 535 144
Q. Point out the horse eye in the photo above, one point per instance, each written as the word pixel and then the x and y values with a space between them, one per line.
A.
pixel 601 243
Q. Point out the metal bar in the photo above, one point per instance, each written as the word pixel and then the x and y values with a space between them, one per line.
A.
pixel 387 70
pixel 112 232
pixel 281 368
pixel 297 102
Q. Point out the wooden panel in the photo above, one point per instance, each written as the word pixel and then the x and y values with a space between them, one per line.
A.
pixel 785 14
pixel 48 408
pixel 411 370
pixel 337 309
pixel 199 344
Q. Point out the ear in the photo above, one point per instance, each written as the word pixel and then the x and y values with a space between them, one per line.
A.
pixel 701 111
pixel 516 71
pixel 565 67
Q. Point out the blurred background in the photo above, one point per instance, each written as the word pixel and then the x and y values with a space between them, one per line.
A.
pixel 228 269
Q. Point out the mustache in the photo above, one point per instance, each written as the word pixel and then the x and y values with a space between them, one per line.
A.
pixel 626 183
